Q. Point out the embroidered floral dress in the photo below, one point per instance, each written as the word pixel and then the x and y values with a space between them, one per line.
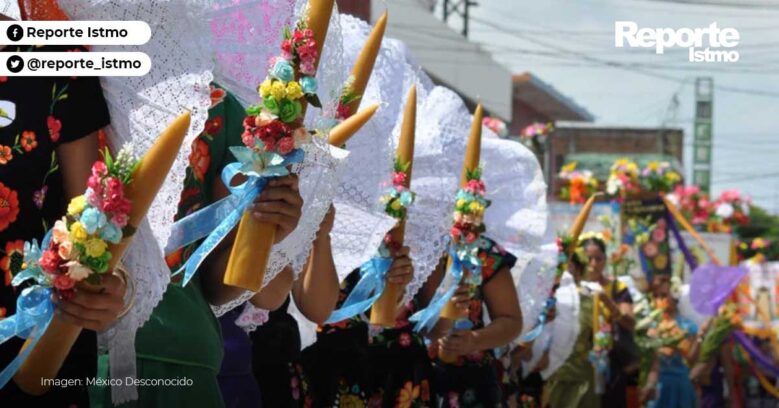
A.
pixel 37 115
pixel 354 364
pixel 472 381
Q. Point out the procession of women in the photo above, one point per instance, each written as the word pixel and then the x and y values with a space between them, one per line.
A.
pixel 286 211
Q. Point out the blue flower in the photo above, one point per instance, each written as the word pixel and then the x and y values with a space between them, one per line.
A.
pixel 92 219
pixel 308 84
pixel 282 71
pixel 111 233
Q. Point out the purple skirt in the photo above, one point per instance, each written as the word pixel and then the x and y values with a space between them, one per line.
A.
pixel 236 379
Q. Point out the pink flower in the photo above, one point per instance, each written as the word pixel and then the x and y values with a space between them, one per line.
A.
pixel 309 34
pixel 650 249
pixel 658 234
pixel 120 219
pixel 65 250
pixel 730 195
pixel 298 36
pixel 95 200
pixel 247 138
pixel 286 145
pixel 286 48
pixel 63 282
pixel 470 238
pixel 59 233
pixel 269 143
pixel 343 111
pixel 307 68
pixel 99 169
pixel 404 340
pixel 95 183
pixel 455 233
pixel 50 261
pixel 399 178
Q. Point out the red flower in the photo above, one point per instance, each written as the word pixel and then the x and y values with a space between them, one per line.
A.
pixel 55 126
pixel 404 340
pixel 217 95
pixel 199 159
pixel 28 141
pixel 11 264
pixel 50 261
pixel 99 169
pixel 5 154
pixel 275 130
pixel 214 125
pixel 9 206
pixel 399 178
pixel 286 47
pixel 286 145
pixel 298 36
pixel 343 111
pixel 249 122
pixel 248 139
pixel 63 282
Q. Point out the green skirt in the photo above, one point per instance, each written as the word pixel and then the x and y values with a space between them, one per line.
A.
pixel 188 386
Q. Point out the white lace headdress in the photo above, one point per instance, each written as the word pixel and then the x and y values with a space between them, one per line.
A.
pixel 518 219
pixel 141 108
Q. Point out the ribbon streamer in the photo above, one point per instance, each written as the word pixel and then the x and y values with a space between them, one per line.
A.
pixel 34 312
pixel 541 321
pixel 372 276
pixel 427 318
pixel 762 360
pixel 217 220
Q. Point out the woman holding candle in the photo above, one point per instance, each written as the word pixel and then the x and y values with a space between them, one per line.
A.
pixel 623 357
pixel 471 378
pixel 48 142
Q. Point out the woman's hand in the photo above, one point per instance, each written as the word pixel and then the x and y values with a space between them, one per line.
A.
pixel 462 297
pixel 94 311
pixel 326 226
pixel 280 204
pixel 402 270
pixel 459 343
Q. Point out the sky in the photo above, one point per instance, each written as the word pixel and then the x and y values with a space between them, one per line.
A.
pixel 570 45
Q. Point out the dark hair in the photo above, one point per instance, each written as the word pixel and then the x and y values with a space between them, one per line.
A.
pixel 594 241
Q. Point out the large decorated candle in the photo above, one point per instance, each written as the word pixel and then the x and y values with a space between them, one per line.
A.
pixel 578 224
pixel 285 93
pixel 146 178
pixel 346 129
pixel 386 307
pixel 351 96
pixel 470 172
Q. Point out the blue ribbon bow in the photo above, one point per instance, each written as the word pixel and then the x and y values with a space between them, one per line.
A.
pixel 34 309
pixel 427 318
pixel 372 276
pixel 217 220
pixel 541 321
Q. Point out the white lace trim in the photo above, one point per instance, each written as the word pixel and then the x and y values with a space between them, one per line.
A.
pixel 141 108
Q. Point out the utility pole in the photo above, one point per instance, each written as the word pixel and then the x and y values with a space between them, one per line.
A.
pixel 461 8
pixel 702 141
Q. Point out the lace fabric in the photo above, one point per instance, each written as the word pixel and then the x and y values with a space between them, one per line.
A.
pixel 10 9
pixel 518 219
pixel 141 108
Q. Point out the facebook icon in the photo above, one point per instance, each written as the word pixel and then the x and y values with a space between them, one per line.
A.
pixel 15 32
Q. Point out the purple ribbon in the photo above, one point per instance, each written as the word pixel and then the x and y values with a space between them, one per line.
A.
pixel 688 256
pixel 756 354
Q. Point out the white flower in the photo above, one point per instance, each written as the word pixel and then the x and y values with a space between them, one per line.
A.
pixel 674 199
pixel 725 210
pixel 613 185
pixel 77 272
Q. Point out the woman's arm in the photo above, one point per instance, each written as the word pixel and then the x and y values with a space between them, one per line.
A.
pixel 275 294
pixel 316 291
pixel 94 311
pixel 280 204
pixel 648 393
pixel 623 311
pixel 503 305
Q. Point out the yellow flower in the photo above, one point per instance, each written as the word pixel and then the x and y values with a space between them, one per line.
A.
pixel 77 205
pixel 661 261
pixel 408 394
pixel 294 91
pixel 569 167
pixel 265 88
pixel 460 203
pixel 396 205
pixel 673 176
pixel 474 207
pixel 278 90
pixel 95 247
pixel 653 165
pixel 77 232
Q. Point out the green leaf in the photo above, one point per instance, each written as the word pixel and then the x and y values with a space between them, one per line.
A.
pixel 349 98
pixel 313 100
pixel 254 110
pixel 287 33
